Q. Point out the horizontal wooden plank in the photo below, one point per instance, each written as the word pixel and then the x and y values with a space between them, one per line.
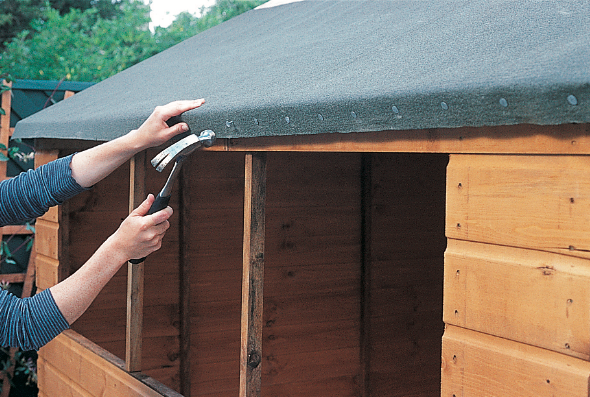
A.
pixel 52 215
pixel 47 238
pixel 91 369
pixel 313 180
pixel 533 297
pixel 163 352
pixel 524 138
pixel 480 365
pixel 159 321
pixel 299 280
pixel 285 310
pixel 342 386
pixel 313 367
pixel 46 271
pixel 216 378
pixel 15 229
pixel 316 337
pixel 539 202
pixel 53 382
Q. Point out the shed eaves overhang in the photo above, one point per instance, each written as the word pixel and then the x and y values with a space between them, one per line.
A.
pixel 334 66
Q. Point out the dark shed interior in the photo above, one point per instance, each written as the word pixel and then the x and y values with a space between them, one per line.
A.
pixel 353 275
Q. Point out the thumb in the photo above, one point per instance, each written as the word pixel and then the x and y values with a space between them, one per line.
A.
pixel 177 129
pixel 144 207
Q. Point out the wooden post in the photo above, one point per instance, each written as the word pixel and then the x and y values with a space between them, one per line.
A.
pixel 253 274
pixel 185 284
pixel 135 274
pixel 6 99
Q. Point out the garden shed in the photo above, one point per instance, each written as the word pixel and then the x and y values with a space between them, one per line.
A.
pixel 394 182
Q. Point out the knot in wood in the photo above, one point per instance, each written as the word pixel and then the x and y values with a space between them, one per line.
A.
pixel 254 359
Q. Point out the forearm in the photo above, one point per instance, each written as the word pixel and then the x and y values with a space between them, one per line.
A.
pixel 29 323
pixel 138 236
pixel 75 294
pixel 31 193
pixel 93 165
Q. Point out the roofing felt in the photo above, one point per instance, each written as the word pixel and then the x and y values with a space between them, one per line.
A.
pixel 332 66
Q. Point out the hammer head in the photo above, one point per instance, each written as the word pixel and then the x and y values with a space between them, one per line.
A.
pixel 184 147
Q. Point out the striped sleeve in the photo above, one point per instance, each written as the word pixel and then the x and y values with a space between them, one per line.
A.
pixel 30 194
pixel 29 323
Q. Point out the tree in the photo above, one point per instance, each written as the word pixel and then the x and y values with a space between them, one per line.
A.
pixel 80 45
pixel 187 25
pixel 85 46
pixel 17 15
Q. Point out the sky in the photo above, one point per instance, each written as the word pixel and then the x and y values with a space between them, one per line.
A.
pixel 165 11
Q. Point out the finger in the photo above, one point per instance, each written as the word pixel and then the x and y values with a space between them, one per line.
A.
pixel 161 216
pixel 160 229
pixel 177 129
pixel 175 108
pixel 144 207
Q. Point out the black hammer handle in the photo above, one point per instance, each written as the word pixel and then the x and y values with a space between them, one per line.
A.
pixel 159 204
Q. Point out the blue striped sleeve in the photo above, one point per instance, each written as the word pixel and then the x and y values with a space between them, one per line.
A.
pixel 30 194
pixel 29 323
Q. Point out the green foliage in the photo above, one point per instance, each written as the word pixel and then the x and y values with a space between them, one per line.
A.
pixel 80 45
pixel 187 25
pixel 224 10
pixel 16 15
pixel 25 368
pixel 5 252
pixel 85 46
pixel 3 87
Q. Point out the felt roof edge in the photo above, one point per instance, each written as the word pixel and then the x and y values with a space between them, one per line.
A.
pixel 341 66
pixel 509 106
pixel 536 105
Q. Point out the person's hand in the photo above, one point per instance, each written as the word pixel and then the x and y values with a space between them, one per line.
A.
pixel 140 234
pixel 154 131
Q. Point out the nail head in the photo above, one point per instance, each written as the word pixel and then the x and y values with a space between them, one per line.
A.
pixel 572 100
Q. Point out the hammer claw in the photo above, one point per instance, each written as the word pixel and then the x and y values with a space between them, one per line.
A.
pixel 182 148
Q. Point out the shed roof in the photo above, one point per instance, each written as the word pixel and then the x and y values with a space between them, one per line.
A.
pixel 312 67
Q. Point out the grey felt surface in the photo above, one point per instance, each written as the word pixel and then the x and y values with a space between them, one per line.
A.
pixel 353 66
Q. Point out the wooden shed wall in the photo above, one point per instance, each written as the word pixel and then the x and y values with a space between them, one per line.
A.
pixel 516 275
pixel 315 341
pixel 93 216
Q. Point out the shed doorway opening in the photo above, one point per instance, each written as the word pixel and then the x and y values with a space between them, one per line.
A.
pixel 354 274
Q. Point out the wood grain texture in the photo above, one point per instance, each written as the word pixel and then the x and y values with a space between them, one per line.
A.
pixel 480 365
pixel 253 275
pixel 523 138
pixel 538 202
pixel 51 253
pixel 135 272
pixel 67 362
pixel 532 297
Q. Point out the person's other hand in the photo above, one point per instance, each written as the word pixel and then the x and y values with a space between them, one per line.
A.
pixel 140 234
pixel 154 131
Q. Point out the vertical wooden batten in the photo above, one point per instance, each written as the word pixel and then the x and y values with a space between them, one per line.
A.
pixel 135 275
pixel 253 274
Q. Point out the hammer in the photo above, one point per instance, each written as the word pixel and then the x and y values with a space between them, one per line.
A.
pixel 178 152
